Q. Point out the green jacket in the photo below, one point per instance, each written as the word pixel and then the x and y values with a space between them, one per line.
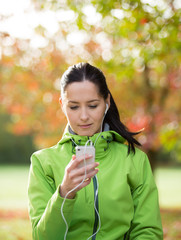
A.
pixel 127 195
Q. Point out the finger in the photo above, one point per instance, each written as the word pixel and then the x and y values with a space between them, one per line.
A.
pixel 85 183
pixel 87 179
pixel 74 163
pixel 81 171
pixel 92 173
pixel 89 175
pixel 82 158
pixel 89 167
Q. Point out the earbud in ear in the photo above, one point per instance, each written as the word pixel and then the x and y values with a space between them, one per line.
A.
pixel 107 107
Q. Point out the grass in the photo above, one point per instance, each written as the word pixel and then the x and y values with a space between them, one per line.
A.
pixel 169 186
pixel 15 224
pixel 15 228
pixel 14 221
pixel 13 185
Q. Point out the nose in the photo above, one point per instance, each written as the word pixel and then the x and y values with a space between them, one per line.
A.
pixel 84 115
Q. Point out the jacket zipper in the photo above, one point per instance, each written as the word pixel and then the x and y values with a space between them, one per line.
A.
pixel 97 207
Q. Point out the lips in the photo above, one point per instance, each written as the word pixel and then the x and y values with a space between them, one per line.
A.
pixel 85 126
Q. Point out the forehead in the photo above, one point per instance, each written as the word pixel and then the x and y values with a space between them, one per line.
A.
pixel 81 91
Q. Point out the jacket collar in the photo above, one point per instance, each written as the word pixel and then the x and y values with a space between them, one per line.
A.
pixel 101 140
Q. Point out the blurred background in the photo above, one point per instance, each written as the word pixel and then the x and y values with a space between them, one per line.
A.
pixel 137 44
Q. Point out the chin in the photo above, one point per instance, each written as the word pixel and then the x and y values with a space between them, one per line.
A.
pixel 86 133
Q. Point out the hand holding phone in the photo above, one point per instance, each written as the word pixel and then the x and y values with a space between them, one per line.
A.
pixel 83 151
pixel 74 175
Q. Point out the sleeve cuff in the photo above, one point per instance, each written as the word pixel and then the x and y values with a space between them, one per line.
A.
pixel 58 200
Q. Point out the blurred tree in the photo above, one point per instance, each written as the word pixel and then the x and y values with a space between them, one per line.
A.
pixel 30 96
pixel 14 149
pixel 137 45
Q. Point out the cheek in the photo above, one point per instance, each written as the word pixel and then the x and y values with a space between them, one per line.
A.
pixel 98 116
pixel 68 115
pixel 71 118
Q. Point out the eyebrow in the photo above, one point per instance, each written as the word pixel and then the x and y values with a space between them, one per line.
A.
pixel 93 100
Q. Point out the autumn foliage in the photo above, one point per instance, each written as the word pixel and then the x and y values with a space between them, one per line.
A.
pixel 135 44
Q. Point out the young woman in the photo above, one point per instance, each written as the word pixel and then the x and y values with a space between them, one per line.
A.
pixel 114 197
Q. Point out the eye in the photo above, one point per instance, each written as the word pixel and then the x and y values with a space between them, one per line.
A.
pixel 73 107
pixel 93 106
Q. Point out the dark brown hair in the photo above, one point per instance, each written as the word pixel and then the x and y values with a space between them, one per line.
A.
pixel 84 71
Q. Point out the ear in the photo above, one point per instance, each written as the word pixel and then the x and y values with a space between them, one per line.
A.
pixel 108 100
pixel 107 107
pixel 60 101
pixel 61 104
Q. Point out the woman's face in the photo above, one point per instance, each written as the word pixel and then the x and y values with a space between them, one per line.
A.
pixel 84 107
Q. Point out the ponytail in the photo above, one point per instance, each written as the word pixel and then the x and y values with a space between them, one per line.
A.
pixel 113 119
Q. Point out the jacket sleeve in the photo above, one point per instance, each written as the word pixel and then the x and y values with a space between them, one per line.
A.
pixel 45 205
pixel 146 224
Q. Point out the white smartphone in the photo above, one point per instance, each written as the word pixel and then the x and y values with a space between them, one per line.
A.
pixel 85 150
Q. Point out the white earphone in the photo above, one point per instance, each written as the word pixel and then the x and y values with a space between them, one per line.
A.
pixel 107 107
